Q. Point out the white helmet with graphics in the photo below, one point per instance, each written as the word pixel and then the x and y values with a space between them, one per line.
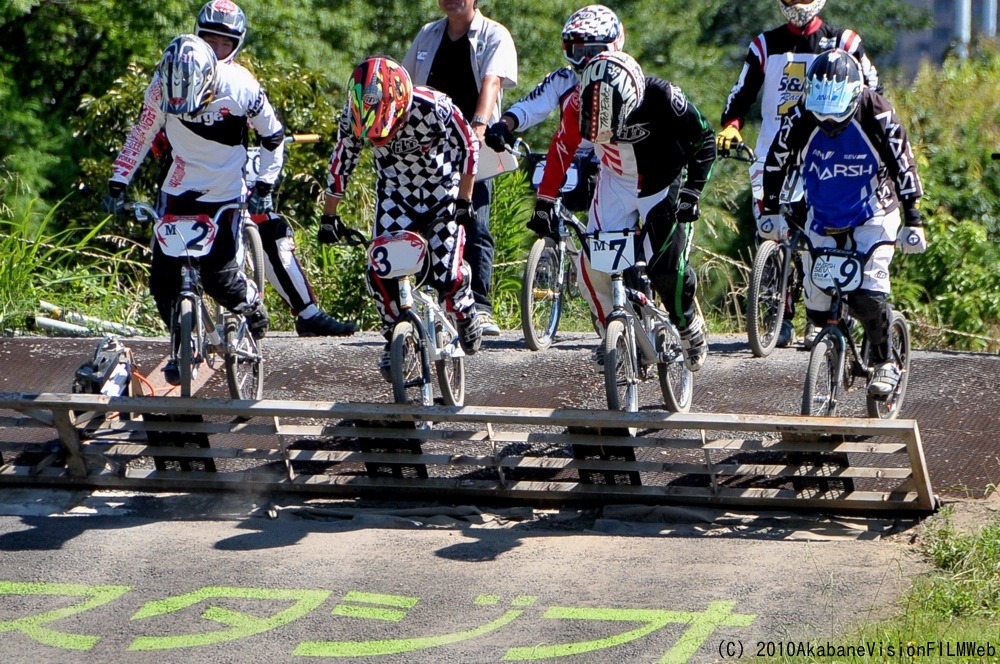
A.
pixel 800 12
pixel 223 17
pixel 591 30
pixel 612 86
pixel 187 74
pixel 833 89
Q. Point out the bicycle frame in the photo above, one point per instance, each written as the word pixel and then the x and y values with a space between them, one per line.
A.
pixel 420 306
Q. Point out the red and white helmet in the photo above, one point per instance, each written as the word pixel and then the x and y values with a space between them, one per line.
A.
pixel 591 30
pixel 223 17
pixel 612 86
pixel 800 12
pixel 379 95
pixel 187 74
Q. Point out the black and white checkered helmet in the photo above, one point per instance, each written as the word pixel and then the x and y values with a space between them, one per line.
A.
pixel 223 17
pixel 591 30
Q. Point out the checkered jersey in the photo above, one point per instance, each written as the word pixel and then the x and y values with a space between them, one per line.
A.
pixel 419 169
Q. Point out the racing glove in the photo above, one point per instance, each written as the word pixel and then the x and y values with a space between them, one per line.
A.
pixel 544 222
pixel 687 206
pixel 499 136
pixel 115 200
pixel 260 199
pixel 912 239
pixel 772 227
pixel 464 214
pixel 728 138
pixel 331 229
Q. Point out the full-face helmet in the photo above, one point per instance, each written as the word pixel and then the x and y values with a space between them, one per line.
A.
pixel 187 73
pixel 612 86
pixel 379 94
pixel 223 17
pixel 800 12
pixel 833 89
pixel 591 30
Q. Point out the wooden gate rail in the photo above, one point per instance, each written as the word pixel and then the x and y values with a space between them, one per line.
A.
pixel 99 436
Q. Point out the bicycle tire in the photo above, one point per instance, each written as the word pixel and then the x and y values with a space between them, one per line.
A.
pixel 539 321
pixel 821 377
pixel 620 371
pixel 676 380
pixel 450 373
pixel 185 344
pixel 255 265
pixel 406 366
pixel 244 363
pixel 899 334
pixel 766 298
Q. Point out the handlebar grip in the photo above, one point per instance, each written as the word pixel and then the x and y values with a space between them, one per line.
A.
pixel 302 138
pixel 355 238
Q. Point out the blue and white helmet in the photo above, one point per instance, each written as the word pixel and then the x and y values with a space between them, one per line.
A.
pixel 799 13
pixel 591 30
pixel 187 73
pixel 833 89
pixel 223 17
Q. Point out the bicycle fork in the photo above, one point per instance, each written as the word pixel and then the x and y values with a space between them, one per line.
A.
pixel 422 330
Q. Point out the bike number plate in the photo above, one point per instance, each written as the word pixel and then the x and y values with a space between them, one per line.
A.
pixel 397 255
pixel 831 271
pixel 181 236
pixel 612 251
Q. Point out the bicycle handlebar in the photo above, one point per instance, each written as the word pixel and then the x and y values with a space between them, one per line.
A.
pixel 302 138
pixel 739 152
pixel 145 212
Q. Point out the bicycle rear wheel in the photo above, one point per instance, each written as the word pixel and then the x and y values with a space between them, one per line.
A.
pixel 620 373
pixel 406 366
pixel 887 408
pixel 766 299
pixel 244 362
pixel 541 295
pixel 185 344
pixel 676 380
pixel 821 379
pixel 450 372
pixel 254 265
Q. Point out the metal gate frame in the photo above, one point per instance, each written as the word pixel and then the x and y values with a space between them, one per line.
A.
pixel 95 447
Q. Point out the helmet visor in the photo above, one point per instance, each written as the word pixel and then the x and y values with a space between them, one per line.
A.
pixel 579 53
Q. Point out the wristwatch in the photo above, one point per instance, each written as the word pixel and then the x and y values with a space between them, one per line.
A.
pixel 478 120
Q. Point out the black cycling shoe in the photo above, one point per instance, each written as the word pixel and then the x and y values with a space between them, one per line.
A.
pixel 258 321
pixel 470 333
pixel 323 324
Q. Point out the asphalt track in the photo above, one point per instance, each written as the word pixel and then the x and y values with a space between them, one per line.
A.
pixel 109 576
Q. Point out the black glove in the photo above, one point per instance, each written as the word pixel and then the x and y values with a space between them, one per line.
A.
pixel 499 136
pixel 544 222
pixel 260 199
pixel 115 200
pixel 464 214
pixel 687 206
pixel 331 229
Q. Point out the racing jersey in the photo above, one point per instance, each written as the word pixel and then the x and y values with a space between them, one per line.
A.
pixel 545 98
pixel 419 169
pixel 777 60
pixel 209 149
pixel 863 172
pixel 664 135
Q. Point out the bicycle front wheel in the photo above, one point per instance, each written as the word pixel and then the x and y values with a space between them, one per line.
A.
pixel 887 408
pixel 676 380
pixel 244 362
pixel 620 372
pixel 450 373
pixel 185 344
pixel 766 299
pixel 541 294
pixel 254 263
pixel 406 366
pixel 818 397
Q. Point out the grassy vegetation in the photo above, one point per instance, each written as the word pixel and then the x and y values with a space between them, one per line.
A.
pixel 955 604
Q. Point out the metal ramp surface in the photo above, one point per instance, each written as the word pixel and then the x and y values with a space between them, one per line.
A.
pixel 533 455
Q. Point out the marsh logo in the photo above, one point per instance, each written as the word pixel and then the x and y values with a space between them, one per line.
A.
pixel 842 171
